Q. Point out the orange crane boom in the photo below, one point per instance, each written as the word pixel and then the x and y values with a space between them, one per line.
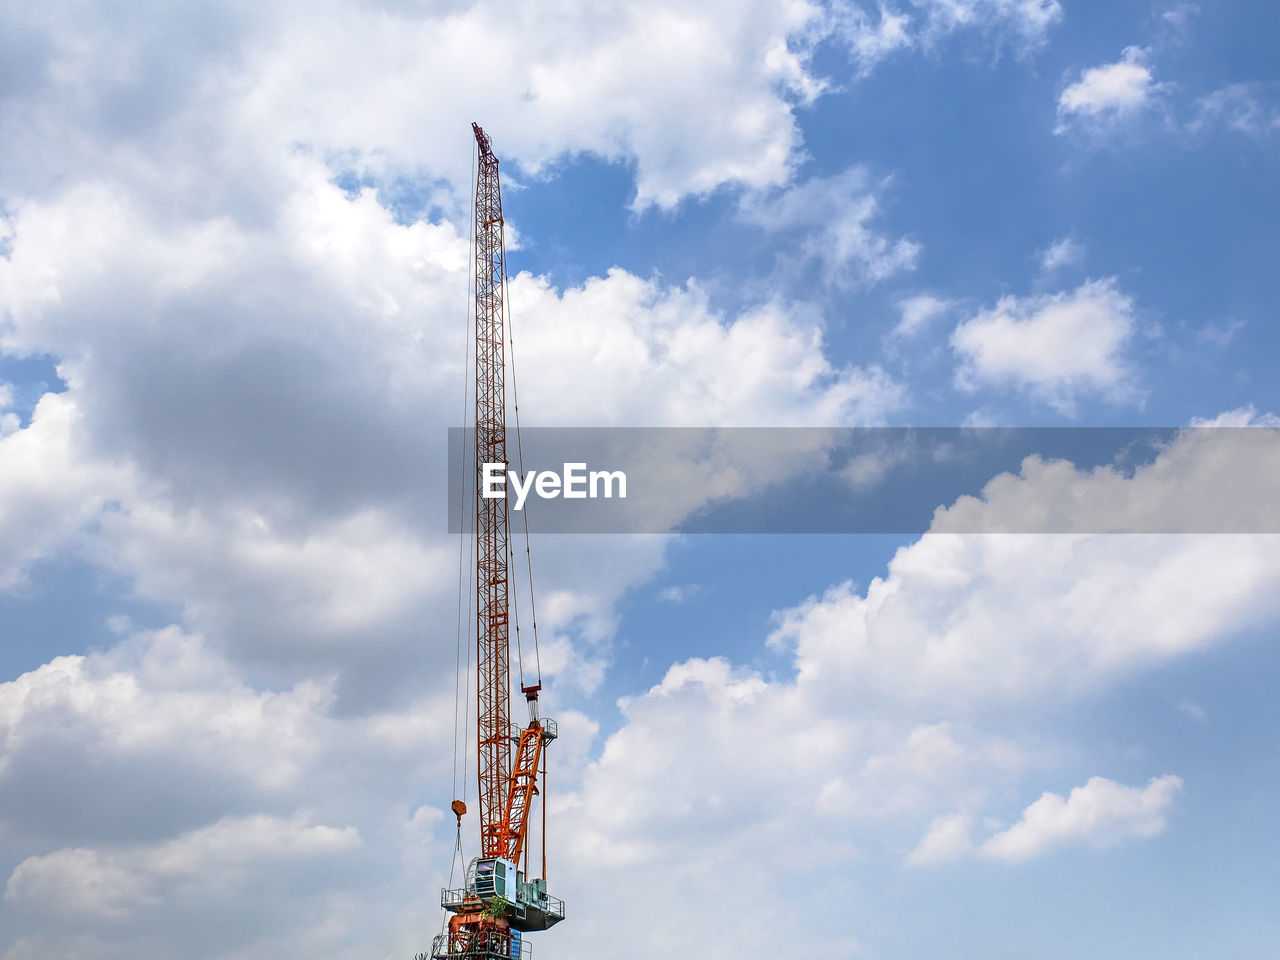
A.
pixel 492 520
pixel 498 903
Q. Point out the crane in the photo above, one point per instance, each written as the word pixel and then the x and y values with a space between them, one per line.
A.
pixel 498 903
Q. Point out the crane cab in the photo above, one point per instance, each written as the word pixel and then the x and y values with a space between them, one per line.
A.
pixel 489 877
pixel 526 903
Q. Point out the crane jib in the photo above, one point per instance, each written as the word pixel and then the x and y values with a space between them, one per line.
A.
pixel 498 902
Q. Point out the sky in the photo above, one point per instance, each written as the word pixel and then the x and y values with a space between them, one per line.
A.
pixel 233 335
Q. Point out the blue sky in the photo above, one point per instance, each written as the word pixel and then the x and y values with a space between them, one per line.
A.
pixel 233 248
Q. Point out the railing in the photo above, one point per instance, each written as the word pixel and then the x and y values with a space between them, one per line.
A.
pixel 453 898
pixel 554 907
pixel 550 730
pixel 551 906
pixel 494 949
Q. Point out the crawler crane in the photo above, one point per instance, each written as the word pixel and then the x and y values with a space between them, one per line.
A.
pixel 499 902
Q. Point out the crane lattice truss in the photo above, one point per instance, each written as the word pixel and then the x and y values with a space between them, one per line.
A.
pixel 492 526
pixel 498 903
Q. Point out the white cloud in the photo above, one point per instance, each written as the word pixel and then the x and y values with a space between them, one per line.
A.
pixel 50 485
pixel 9 421
pixel 1064 252
pixel 696 97
pixel 964 618
pixel 256 364
pixel 1202 480
pixel 164 733
pixel 73 883
pixel 946 839
pixel 716 767
pixel 1100 813
pixel 679 592
pixel 273 479
pixel 1110 93
pixel 147 788
pixel 871 38
pixel 646 354
pixel 720 764
pixel 1240 107
pixel 832 217
pixel 1057 347
pixel 1175 23
pixel 1193 710
pixel 1246 416
pixel 1220 334
pixel 1028 21
pixel 917 313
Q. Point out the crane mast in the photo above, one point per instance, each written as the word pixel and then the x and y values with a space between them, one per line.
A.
pixel 498 903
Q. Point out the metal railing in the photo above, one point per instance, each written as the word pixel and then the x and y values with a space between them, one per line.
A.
pixel 494 949
pixel 550 730
pixel 456 897
pixel 452 898
pixel 551 906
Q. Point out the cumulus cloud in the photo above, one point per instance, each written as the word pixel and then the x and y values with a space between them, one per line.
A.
pixel 1100 813
pixel 872 37
pixel 946 839
pixel 259 366
pixel 1064 252
pixel 148 788
pixel 695 97
pixel 93 725
pixel 718 765
pixel 9 420
pixel 1110 94
pixel 76 882
pixel 647 354
pixel 967 618
pixel 1028 21
pixel 831 217
pixel 917 313
pixel 274 471
pixel 256 361
pixel 1174 24
pixel 1242 108
pixel 50 485
pixel 678 593
pixel 1057 347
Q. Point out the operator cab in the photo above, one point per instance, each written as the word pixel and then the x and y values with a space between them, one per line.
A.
pixel 528 905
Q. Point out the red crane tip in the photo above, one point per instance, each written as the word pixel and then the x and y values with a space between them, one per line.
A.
pixel 482 139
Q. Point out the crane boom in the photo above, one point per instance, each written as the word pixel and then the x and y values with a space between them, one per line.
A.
pixel 498 904
pixel 492 528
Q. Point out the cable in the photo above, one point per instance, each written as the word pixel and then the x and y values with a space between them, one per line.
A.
pixel 515 616
pixel 515 397
pixel 463 488
pixel 461 699
pixel 458 860
pixel 544 814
